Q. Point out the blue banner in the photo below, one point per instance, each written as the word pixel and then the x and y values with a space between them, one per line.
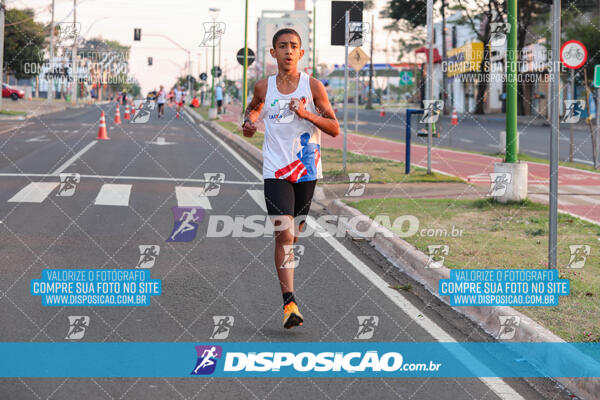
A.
pixel 300 359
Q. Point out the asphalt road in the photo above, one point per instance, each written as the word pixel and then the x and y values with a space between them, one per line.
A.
pixel 475 134
pixel 336 281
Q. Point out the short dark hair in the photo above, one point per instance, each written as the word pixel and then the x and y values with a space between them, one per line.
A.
pixel 283 32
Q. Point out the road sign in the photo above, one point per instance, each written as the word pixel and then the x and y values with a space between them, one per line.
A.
pixel 203 76
pixel 596 81
pixel 573 54
pixel 216 71
pixel 357 59
pixel 406 78
pixel 338 11
pixel 240 56
pixel 137 34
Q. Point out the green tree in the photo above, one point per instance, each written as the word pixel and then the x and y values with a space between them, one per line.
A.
pixel 24 41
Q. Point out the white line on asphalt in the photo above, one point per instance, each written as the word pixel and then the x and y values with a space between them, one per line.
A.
pixel 259 197
pixel 72 159
pixel 494 146
pixel 135 178
pixel 579 160
pixel 539 153
pixel 112 194
pixel 465 140
pixel 190 118
pixel 16 127
pixel 35 192
pixel 189 196
pixel 232 152
pixel 497 385
pixel 587 189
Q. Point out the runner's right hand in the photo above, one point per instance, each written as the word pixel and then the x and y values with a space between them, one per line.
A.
pixel 249 129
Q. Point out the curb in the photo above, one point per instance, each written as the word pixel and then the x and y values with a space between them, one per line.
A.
pixel 411 261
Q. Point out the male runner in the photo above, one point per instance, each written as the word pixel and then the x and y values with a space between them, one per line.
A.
pixel 161 99
pixel 178 93
pixel 296 110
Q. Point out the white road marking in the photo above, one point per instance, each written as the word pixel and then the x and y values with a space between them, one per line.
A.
pixel 135 178
pixel 160 141
pixel 259 197
pixel 579 160
pixel 190 118
pixel 38 139
pixel 497 385
pixel 233 153
pixel 192 197
pixel 539 153
pixel 112 194
pixel 70 161
pixel 35 192
pixel 465 140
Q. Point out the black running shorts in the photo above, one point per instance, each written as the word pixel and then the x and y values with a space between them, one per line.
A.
pixel 287 198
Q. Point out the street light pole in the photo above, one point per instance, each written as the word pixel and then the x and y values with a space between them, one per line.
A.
pixel 429 82
pixel 2 10
pixel 245 85
pixel 554 137
pixel 50 80
pixel 512 147
pixel 74 57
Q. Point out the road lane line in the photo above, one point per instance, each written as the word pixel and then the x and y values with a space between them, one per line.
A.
pixel 239 158
pixel 16 127
pixel 140 178
pixel 70 161
pixel 465 140
pixel 539 153
pixel 259 197
pixel 579 160
pixel 35 192
pixel 188 196
pixel 497 385
pixel 112 194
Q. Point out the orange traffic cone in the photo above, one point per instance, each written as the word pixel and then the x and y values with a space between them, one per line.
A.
pixel 126 115
pixel 454 117
pixel 382 112
pixel 118 115
pixel 132 110
pixel 102 128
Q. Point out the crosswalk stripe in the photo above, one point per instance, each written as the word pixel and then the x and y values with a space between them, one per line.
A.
pixel 112 194
pixel 259 197
pixel 192 196
pixel 35 192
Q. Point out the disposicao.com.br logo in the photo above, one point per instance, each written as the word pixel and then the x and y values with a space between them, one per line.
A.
pixel 325 362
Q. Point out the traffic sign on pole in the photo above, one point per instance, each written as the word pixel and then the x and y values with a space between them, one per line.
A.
pixel 357 59
pixel 573 54
pixel 406 78
pixel 596 81
pixel 240 56
pixel 216 71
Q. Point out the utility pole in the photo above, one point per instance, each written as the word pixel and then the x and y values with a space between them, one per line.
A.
pixel 245 85
pixel 50 78
pixel 314 38
pixel 444 73
pixel 554 136
pixel 370 98
pixel 2 10
pixel 347 36
pixel 511 85
pixel 74 57
pixel 429 82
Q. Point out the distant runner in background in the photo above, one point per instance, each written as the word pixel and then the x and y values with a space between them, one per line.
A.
pixel 161 98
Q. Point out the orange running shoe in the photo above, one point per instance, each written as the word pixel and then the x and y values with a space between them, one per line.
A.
pixel 291 315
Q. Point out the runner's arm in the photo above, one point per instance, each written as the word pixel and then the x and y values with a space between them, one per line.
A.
pixel 254 108
pixel 326 119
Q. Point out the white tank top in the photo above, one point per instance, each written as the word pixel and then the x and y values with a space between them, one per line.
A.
pixel 292 146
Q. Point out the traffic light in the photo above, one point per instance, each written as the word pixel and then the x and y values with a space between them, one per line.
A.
pixel 149 60
pixel 137 34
